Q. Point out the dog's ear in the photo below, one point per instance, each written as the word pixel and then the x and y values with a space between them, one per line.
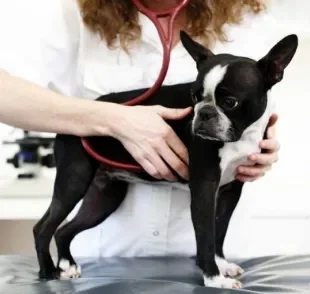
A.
pixel 198 52
pixel 278 58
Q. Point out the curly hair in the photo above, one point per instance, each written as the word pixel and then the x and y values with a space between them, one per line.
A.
pixel 205 18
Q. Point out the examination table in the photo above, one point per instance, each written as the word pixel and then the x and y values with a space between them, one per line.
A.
pixel 276 274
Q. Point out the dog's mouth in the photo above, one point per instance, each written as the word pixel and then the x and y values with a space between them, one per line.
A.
pixel 204 135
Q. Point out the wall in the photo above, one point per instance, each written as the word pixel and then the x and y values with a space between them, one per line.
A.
pixel 274 214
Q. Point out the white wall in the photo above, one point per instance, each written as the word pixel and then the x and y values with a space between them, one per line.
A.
pixel 274 214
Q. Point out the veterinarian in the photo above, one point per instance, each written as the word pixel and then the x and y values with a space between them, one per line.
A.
pixel 108 47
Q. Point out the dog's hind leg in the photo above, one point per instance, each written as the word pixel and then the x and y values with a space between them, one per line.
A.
pixel 228 198
pixel 75 171
pixel 102 198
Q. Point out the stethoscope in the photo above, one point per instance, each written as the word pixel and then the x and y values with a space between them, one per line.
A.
pixel 167 42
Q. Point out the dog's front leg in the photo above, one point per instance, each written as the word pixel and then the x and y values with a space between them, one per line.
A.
pixel 227 200
pixel 203 216
pixel 204 184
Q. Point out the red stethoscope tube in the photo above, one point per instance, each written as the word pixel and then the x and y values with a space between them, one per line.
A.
pixel 167 42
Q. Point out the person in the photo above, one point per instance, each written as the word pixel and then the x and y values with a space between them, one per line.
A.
pixel 90 48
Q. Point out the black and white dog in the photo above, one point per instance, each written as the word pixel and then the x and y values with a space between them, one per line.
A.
pixel 231 112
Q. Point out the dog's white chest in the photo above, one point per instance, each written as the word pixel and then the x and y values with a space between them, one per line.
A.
pixel 236 153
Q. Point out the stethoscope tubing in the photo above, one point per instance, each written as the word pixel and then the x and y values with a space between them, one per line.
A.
pixel 167 42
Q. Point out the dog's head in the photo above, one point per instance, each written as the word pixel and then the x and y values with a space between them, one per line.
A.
pixel 230 92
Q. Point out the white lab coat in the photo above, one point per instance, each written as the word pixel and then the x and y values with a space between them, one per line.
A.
pixel 152 220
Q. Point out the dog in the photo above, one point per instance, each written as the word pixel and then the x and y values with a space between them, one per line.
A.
pixel 231 110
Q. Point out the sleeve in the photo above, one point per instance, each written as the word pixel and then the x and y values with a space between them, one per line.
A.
pixel 42 46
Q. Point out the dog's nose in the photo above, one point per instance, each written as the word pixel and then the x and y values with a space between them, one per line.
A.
pixel 207 112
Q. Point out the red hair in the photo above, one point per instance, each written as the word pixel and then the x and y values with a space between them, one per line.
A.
pixel 112 18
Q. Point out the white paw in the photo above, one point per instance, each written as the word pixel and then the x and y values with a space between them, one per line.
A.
pixel 69 271
pixel 221 282
pixel 228 269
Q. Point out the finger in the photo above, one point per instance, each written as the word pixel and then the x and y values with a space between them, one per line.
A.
pixel 253 171
pixel 272 120
pixel 173 160
pixel 264 158
pixel 178 147
pixel 150 169
pixel 172 113
pixel 244 179
pixel 160 165
pixel 271 130
pixel 270 144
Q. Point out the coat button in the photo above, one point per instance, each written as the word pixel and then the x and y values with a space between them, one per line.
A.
pixel 156 233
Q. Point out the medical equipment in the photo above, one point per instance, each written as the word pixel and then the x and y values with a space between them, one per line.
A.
pixel 167 47
pixel 34 152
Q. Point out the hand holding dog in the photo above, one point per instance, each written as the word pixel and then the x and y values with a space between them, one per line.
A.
pixel 263 161
pixel 151 141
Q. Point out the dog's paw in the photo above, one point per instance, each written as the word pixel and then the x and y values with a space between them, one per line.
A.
pixel 228 269
pixel 48 272
pixel 69 271
pixel 221 282
pixel 48 275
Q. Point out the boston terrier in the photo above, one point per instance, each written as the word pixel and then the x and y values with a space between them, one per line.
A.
pixel 231 110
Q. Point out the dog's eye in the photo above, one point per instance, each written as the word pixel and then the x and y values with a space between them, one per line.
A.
pixel 195 97
pixel 230 102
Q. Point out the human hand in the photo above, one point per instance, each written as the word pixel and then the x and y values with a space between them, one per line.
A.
pixel 151 141
pixel 263 161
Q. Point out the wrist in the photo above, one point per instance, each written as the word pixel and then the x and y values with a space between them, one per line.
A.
pixel 102 118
